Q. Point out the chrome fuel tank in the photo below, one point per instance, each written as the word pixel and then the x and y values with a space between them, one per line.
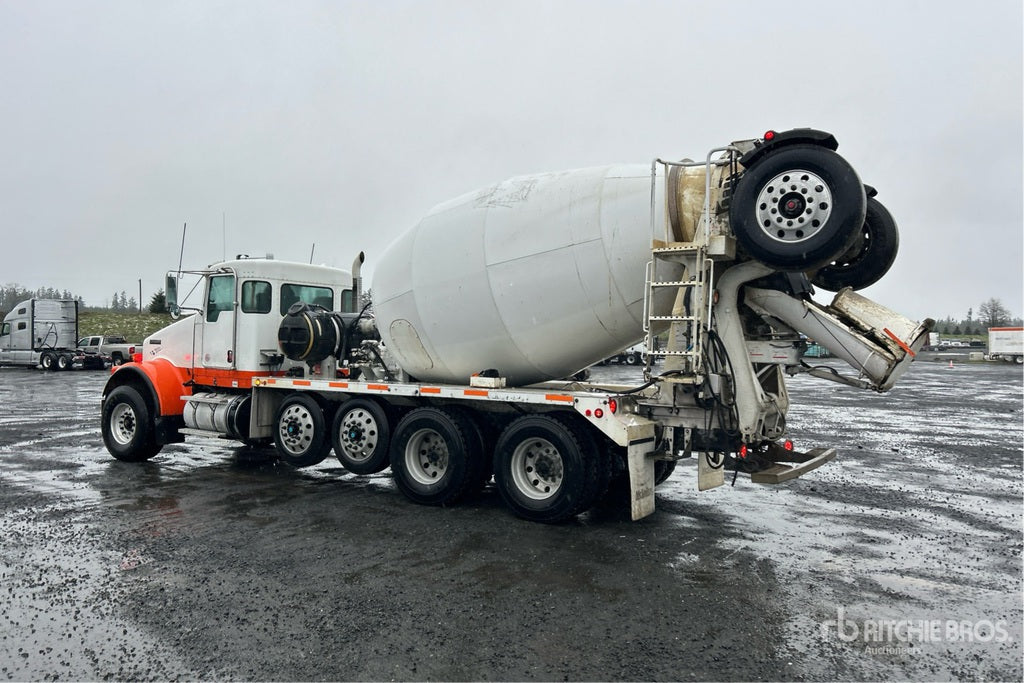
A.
pixel 536 277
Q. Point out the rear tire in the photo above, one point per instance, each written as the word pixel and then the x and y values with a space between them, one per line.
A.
pixel 63 362
pixel 300 432
pixel 869 257
pixel 547 469
pixel 47 360
pixel 436 456
pixel 361 436
pixel 127 426
pixel 798 208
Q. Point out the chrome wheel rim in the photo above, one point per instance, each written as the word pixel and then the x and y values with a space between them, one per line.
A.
pixel 360 434
pixel 426 457
pixel 793 206
pixel 123 424
pixel 537 469
pixel 296 429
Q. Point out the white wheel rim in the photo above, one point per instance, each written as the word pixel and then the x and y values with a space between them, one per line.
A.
pixel 296 429
pixel 426 457
pixel 122 424
pixel 793 206
pixel 359 434
pixel 537 469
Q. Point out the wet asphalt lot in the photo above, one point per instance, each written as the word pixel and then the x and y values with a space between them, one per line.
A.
pixel 901 559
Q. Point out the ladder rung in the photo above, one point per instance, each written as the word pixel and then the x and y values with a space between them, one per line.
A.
pixel 673 318
pixel 682 248
pixel 680 283
pixel 672 353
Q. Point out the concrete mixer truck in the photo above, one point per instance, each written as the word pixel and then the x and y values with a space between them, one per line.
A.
pixel 485 311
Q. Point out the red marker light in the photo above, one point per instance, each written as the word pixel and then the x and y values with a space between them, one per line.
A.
pixel 598 413
pixel 136 357
pixel 587 412
pixel 743 451
pixel 613 405
pixel 787 444
pixel 769 136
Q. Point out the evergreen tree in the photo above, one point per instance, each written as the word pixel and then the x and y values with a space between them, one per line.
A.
pixel 158 304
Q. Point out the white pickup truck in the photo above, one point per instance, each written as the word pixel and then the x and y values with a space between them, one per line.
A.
pixel 114 346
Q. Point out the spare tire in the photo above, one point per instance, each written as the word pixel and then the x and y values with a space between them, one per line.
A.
pixel 868 258
pixel 798 208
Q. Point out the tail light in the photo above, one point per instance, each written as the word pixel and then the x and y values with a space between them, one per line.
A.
pixel 136 357
pixel 613 405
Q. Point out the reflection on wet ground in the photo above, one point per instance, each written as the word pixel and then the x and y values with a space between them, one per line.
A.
pixel 215 562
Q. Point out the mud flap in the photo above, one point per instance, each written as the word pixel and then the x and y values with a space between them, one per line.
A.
pixel 640 458
pixel 710 472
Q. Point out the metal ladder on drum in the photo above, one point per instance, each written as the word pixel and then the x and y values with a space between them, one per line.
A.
pixel 690 316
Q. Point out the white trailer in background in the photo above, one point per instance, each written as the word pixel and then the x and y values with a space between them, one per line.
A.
pixel 1006 343
pixel 40 332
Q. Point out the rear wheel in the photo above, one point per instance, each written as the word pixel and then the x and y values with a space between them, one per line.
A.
pixel 361 436
pixel 798 208
pixel 127 426
pixel 300 434
pixel 47 360
pixel 436 456
pixel 63 362
pixel 868 258
pixel 547 469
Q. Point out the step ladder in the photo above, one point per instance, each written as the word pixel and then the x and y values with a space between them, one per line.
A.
pixel 690 315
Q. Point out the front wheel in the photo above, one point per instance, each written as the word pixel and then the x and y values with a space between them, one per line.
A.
pixel 361 436
pixel 127 426
pixel 300 434
pixel 798 208
pixel 436 456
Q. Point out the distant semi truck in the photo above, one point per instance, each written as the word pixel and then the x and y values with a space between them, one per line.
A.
pixel 41 332
pixel 1006 343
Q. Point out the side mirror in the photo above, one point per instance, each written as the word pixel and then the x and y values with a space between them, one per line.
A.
pixel 171 295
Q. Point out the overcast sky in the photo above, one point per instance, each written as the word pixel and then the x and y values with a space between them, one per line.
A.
pixel 271 126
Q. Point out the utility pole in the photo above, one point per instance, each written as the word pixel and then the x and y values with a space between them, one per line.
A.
pixel 140 296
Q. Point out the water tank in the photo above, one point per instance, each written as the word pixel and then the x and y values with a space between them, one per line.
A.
pixel 536 277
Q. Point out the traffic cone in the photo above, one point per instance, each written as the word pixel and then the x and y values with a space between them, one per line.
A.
pixel 950 363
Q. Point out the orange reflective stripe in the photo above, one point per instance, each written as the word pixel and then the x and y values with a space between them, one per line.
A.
pixel 301 382
pixel 430 390
pixel 475 392
pixel 558 397
pixel 900 342
pixel 377 387
pixel 338 385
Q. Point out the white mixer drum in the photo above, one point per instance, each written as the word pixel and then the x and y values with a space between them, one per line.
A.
pixel 536 277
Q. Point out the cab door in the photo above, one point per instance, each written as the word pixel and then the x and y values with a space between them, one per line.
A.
pixel 218 340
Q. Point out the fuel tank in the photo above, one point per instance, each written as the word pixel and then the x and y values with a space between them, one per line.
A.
pixel 535 277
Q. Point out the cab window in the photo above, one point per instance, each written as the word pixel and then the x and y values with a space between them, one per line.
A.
pixel 348 305
pixel 256 296
pixel 221 296
pixel 5 330
pixel 291 294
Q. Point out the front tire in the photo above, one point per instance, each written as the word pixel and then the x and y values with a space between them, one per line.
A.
pixel 300 434
pixel 436 456
pixel 127 426
pixel 798 208
pixel 361 436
